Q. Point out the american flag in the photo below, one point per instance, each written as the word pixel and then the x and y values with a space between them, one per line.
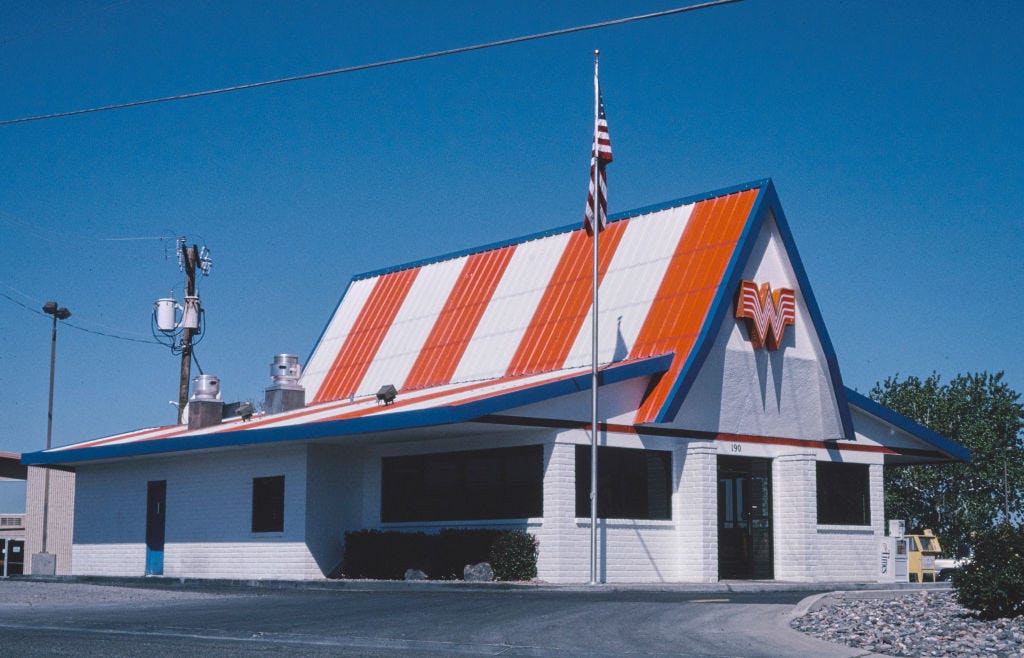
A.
pixel 599 158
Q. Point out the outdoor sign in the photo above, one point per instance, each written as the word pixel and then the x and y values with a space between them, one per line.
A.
pixel 767 312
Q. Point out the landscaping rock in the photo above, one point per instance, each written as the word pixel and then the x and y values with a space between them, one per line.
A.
pixel 924 624
pixel 415 574
pixel 478 573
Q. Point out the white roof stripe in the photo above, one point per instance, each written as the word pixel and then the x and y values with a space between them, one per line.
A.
pixel 411 327
pixel 629 286
pixel 508 314
pixel 334 336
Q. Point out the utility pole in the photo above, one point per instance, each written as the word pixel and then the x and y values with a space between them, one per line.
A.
pixel 189 258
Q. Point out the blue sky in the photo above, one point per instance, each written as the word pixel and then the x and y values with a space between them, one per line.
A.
pixel 892 131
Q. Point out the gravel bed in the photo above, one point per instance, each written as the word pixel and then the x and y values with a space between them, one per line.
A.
pixel 919 624
pixel 17 593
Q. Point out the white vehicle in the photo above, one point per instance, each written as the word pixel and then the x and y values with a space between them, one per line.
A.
pixel 945 567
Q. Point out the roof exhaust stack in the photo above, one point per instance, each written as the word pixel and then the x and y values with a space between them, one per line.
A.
pixel 205 408
pixel 285 393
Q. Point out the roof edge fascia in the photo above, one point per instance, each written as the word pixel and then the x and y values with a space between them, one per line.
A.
pixel 628 214
pixel 719 305
pixel 766 205
pixel 912 427
pixel 442 415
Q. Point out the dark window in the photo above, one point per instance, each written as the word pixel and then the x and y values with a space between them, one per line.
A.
pixel 503 483
pixel 631 483
pixel 268 504
pixel 844 494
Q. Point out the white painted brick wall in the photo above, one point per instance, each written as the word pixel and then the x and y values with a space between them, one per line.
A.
pixel 794 516
pixel 851 552
pixel 334 501
pixel 695 504
pixel 209 514
pixel 329 490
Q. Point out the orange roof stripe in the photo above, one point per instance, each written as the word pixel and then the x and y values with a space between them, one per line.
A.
pixel 684 298
pixel 366 336
pixel 563 307
pixel 459 318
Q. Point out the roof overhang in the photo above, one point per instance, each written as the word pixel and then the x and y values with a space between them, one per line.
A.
pixel 930 447
pixel 472 403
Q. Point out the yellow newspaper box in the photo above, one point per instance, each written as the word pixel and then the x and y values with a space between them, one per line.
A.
pixel 923 550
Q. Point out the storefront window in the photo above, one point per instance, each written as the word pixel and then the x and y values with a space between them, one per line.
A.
pixel 503 483
pixel 631 483
pixel 844 494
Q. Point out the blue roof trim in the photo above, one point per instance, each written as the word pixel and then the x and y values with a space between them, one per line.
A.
pixel 766 205
pixel 455 413
pixel 719 305
pixel 819 321
pixel 327 324
pixel 564 229
pixel 948 446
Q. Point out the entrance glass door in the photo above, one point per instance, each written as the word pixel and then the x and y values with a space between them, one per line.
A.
pixel 744 518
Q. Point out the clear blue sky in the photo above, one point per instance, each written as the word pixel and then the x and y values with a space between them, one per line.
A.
pixel 892 130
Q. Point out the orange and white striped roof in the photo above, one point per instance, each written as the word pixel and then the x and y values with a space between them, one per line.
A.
pixel 471 335
pixel 525 307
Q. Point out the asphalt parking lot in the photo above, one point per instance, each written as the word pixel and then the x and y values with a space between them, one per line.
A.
pixel 161 617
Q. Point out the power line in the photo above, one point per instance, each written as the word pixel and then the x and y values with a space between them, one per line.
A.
pixel 364 67
pixel 105 334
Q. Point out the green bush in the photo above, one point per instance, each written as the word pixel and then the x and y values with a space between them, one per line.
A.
pixel 455 548
pixel 514 556
pixel 993 583
pixel 385 555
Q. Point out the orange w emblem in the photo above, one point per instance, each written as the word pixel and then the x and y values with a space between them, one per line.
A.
pixel 767 312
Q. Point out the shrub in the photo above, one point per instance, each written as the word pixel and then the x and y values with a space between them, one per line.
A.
pixel 385 555
pixel 993 583
pixel 514 556
pixel 455 548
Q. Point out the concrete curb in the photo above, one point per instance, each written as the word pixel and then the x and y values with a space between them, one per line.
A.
pixel 847 589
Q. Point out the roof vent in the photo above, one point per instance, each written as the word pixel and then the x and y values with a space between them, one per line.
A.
pixel 285 393
pixel 206 387
pixel 205 408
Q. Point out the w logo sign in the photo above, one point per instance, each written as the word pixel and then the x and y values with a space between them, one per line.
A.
pixel 767 312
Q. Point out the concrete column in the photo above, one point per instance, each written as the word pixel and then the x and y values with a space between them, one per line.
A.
pixel 695 508
pixel 563 547
pixel 795 516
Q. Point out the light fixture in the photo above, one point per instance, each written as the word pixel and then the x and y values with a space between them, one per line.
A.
pixel 386 394
pixel 245 411
pixel 58 313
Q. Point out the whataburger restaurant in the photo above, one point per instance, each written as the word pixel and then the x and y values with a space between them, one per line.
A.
pixel 729 447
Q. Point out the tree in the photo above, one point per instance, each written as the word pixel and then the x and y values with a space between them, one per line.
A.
pixel 980 412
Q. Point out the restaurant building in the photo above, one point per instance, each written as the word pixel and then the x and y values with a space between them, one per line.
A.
pixel 456 392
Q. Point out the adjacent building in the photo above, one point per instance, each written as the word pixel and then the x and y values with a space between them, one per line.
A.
pixel 456 392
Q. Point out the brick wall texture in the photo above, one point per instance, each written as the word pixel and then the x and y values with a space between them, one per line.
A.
pixel 332 489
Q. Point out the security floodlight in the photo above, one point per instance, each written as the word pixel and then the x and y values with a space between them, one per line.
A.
pixel 386 394
pixel 245 411
pixel 59 313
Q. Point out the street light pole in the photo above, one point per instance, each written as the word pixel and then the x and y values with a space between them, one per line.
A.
pixel 58 313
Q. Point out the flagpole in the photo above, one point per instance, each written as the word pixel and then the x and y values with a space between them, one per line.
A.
pixel 596 229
